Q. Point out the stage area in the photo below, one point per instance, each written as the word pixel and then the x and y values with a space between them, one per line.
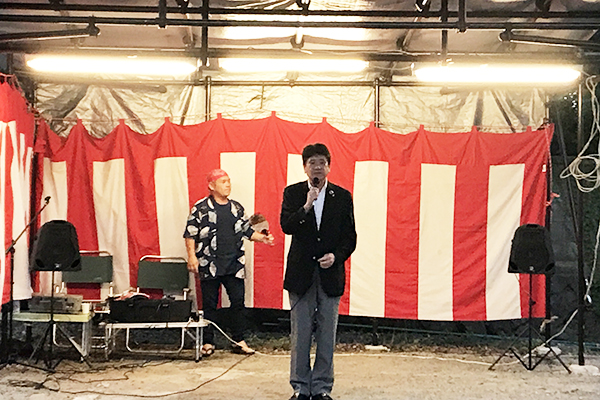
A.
pixel 360 375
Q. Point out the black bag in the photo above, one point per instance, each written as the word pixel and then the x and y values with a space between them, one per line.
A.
pixel 142 309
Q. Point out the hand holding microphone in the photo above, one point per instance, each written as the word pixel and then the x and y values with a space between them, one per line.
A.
pixel 312 194
pixel 260 224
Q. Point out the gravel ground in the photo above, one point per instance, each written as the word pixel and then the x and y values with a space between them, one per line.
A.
pixel 427 373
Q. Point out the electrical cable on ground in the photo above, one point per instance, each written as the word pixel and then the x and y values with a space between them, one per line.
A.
pixel 159 395
pixel 43 385
pixel 53 378
pixel 372 355
pixel 235 343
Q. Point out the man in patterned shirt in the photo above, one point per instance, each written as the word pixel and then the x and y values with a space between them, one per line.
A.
pixel 214 237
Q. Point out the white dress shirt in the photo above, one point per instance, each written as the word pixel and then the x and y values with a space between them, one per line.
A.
pixel 319 203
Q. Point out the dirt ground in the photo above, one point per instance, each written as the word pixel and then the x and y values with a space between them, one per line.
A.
pixel 418 375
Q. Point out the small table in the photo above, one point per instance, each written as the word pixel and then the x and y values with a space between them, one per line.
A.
pixel 84 319
pixel 192 328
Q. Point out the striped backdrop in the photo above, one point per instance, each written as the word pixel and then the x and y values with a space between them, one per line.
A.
pixel 16 149
pixel 435 212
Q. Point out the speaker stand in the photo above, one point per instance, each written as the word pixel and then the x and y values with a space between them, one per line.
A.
pixel 528 361
pixel 6 334
pixel 48 339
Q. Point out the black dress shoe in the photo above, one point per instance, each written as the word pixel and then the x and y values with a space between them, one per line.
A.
pixel 299 396
pixel 322 396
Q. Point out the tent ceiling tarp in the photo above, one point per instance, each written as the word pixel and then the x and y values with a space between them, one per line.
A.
pixel 382 31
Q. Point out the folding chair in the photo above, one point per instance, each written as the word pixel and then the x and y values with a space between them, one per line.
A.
pixel 162 272
pixel 96 268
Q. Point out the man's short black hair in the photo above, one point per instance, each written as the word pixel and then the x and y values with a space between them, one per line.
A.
pixel 315 149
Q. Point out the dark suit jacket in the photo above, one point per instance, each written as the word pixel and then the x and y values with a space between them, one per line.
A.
pixel 336 235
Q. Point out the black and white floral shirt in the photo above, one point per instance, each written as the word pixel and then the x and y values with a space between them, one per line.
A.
pixel 202 227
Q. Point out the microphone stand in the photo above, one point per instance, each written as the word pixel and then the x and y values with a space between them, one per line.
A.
pixel 7 314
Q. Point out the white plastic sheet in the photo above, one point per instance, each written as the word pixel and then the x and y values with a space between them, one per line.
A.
pixel 402 109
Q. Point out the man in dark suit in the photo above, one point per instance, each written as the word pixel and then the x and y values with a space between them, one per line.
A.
pixel 320 217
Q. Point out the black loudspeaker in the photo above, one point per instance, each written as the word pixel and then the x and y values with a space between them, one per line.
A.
pixel 531 251
pixel 56 248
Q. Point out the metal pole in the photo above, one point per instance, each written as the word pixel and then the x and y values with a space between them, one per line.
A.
pixel 10 64
pixel 204 38
pixel 207 98
pixel 444 32
pixel 462 16
pixel 529 367
pixel 364 24
pixel 548 221
pixel 375 332
pixel 377 88
pixel 580 266
pixel 127 9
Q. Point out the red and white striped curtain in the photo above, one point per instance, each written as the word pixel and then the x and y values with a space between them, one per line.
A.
pixel 435 212
pixel 16 149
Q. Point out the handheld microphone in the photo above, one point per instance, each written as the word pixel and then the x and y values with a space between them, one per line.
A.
pixel 315 181
pixel 47 199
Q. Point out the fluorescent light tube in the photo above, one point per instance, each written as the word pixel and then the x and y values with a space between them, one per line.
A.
pixel 112 65
pixel 300 65
pixel 524 74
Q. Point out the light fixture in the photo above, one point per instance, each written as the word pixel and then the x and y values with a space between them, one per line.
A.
pixel 112 65
pixel 288 64
pixel 90 30
pixel 517 74
pixel 423 5
pixel 508 36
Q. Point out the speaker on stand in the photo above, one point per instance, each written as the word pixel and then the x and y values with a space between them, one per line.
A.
pixel 6 332
pixel 531 254
pixel 56 248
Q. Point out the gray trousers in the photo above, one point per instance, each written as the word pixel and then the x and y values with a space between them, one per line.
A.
pixel 313 311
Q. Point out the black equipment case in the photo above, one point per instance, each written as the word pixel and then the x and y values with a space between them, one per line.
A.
pixel 142 309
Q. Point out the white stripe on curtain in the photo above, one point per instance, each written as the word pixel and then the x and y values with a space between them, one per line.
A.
pixel 241 168
pixel 3 264
pixel 436 242
pixel 505 197
pixel 55 186
pixel 172 206
pixel 367 274
pixel 20 184
pixel 111 217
